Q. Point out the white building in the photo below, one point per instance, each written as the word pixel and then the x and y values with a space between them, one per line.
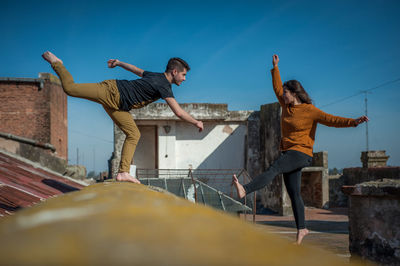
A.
pixel 169 143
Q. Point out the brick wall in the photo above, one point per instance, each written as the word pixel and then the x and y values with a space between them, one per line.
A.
pixel 29 111
pixel 58 119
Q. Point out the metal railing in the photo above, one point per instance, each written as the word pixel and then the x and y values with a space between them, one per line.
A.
pixel 219 179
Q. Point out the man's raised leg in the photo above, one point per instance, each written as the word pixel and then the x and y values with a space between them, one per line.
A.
pixel 51 58
pixel 90 91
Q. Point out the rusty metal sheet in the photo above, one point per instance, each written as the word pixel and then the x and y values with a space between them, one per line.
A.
pixel 22 184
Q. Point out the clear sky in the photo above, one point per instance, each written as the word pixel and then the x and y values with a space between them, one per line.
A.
pixel 335 48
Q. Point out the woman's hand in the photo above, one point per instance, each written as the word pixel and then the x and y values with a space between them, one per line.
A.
pixel 113 63
pixel 361 120
pixel 275 60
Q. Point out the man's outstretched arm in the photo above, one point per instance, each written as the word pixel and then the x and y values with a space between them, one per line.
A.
pixel 182 114
pixel 134 69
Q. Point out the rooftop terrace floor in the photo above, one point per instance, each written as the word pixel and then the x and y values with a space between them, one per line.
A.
pixel 328 228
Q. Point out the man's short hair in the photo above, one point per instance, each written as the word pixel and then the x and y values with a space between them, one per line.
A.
pixel 178 64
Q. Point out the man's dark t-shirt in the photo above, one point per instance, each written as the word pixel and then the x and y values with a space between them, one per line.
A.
pixel 138 93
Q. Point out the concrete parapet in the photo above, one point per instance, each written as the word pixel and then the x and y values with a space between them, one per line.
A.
pixel 201 111
pixel 359 175
pixel 116 223
pixel 374 220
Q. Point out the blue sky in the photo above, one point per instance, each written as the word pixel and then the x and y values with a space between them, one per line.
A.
pixel 335 48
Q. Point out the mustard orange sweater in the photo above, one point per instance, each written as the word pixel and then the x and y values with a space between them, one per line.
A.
pixel 299 122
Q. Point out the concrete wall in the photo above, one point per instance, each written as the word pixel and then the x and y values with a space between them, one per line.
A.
pixel 35 109
pixel 35 154
pixel 220 146
pixel 58 114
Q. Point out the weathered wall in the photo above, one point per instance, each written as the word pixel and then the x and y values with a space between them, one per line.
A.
pixel 359 175
pixel 35 109
pixel 315 181
pixel 273 196
pixel 374 221
pixel 336 197
pixel 311 188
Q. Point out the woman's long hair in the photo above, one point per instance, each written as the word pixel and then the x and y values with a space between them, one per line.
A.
pixel 295 87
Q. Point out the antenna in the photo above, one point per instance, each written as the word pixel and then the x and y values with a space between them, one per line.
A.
pixel 366 114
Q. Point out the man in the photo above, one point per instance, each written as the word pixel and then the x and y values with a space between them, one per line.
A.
pixel 120 96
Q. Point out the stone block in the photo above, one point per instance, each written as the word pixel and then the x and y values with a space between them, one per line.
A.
pixel 374 159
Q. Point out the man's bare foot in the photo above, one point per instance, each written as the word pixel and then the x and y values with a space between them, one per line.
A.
pixel 127 177
pixel 50 57
pixel 239 188
pixel 300 235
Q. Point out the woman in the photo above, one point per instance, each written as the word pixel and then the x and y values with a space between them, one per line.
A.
pixel 298 125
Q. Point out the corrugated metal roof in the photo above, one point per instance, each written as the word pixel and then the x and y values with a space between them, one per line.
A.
pixel 22 184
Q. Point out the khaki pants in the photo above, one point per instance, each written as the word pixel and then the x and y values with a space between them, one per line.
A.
pixel 105 93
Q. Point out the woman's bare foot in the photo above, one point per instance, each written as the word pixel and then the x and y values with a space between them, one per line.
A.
pixel 239 188
pixel 300 235
pixel 51 58
pixel 127 177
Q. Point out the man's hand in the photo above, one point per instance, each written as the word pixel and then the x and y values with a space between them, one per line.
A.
pixel 361 120
pixel 199 124
pixel 113 63
pixel 182 114
pixel 275 60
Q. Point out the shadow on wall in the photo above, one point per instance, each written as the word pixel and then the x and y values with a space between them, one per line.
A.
pixel 192 132
pixel 230 154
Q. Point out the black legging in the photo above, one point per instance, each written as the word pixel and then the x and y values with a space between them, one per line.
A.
pixel 289 163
